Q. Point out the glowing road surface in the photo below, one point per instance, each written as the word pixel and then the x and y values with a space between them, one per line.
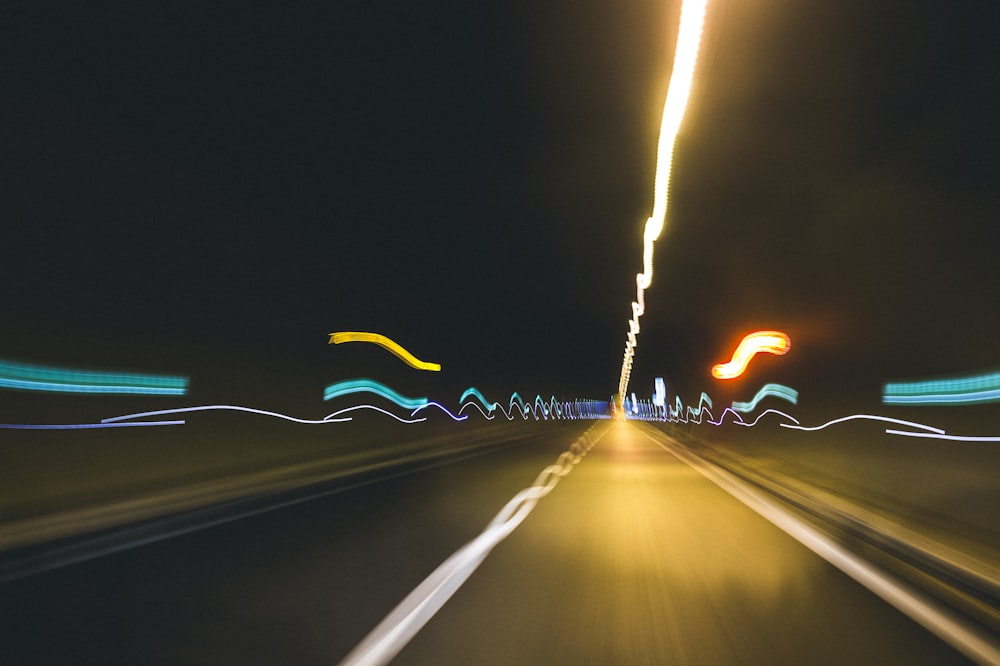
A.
pixel 635 557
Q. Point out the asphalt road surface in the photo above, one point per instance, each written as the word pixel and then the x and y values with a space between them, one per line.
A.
pixel 633 558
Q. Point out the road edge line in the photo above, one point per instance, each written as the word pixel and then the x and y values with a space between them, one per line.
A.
pixel 930 614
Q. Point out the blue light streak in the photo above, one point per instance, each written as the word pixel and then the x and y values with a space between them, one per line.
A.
pixel 84 426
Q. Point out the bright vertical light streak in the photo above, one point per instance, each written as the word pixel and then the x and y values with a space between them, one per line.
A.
pixel 685 58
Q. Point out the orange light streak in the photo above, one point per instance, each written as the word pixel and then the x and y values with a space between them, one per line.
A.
pixel 771 342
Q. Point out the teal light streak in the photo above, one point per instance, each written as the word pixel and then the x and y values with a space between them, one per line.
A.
pixel 703 400
pixel 371 386
pixel 26 377
pixel 773 390
pixel 970 390
pixel 474 392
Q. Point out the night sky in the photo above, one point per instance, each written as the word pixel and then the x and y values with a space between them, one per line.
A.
pixel 211 188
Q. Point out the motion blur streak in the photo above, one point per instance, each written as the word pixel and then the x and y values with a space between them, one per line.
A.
pixel 942 436
pixel 738 420
pixel 975 389
pixel 334 416
pixel 772 390
pixel 62 380
pixel 869 417
pixel 538 409
pixel 231 408
pixel 84 426
pixel 703 399
pixel 395 631
pixel 472 391
pixel 772 342
pixel 442 408
pixel 362 385
pixel 765 413
pixel 386 343
pixel 489 416
pixel 685 57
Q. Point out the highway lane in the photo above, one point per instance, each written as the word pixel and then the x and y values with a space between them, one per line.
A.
pixel 633 558
pixel 636 558
pixel 298 585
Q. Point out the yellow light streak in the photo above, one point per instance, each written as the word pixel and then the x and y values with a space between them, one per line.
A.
pixel 685 58
pixel 385 343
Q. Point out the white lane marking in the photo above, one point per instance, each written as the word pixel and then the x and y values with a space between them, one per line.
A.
pixel 397 629
pixel 930 614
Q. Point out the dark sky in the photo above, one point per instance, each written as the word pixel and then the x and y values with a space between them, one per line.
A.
pixel 210 188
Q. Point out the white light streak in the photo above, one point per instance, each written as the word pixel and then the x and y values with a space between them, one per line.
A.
pixel 83 426
pixel 232 408
pixel 330 418
pixel 952 438
pixel 442 408
pixel 685 58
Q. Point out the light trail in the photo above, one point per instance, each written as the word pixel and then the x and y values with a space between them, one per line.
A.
pixel 473 392
pixel 362 385
pixel 442 408
pixel 84 426
pixel 772 342
pixel 865 417
pixel 685 58
pixel 489 416
pixel 703 399
pixel 722 417
pixel 951 438
pixel 968 390
pixel 230 408
pixel 768 390
pixel 764 413
pixel 385 343
pixel 335 415
pixel 28 377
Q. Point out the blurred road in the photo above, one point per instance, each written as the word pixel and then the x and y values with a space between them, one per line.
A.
pixel 633 558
